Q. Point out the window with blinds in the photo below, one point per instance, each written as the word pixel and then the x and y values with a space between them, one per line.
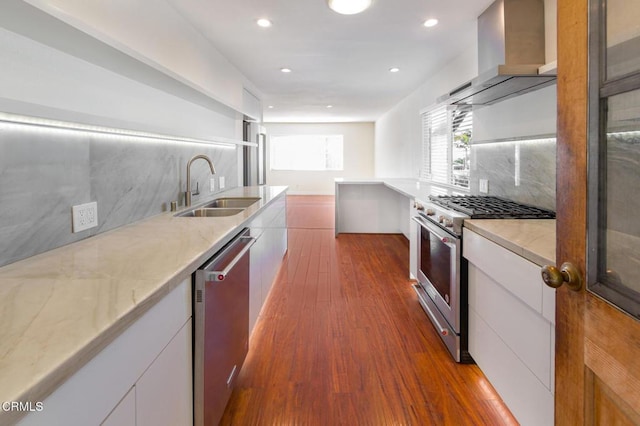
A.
pixel 446 139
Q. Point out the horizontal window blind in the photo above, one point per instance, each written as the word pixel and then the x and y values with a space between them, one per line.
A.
pixel 446 138
pixel 425 165
pixel 462 130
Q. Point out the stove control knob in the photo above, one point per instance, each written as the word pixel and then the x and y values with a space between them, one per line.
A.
pixel 448 223
pixel 441 218
pixel 431 212
pixel 418 206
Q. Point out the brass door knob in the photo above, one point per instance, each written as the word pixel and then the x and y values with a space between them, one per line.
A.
pixel 568 273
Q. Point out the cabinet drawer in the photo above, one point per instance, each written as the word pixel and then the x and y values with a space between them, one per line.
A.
pixel 515 273
pixel 527 398
pixel 523 331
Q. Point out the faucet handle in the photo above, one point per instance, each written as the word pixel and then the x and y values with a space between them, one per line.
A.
pixel 197 191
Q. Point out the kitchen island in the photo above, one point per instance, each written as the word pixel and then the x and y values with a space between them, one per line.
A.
pixel 380 205
pixel 61 308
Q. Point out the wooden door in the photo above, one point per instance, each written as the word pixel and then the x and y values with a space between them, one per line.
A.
pixel 597 344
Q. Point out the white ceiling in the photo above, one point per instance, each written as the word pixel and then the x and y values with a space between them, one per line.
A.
pixel 339 60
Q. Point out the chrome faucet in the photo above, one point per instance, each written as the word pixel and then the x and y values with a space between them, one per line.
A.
pixel 187 194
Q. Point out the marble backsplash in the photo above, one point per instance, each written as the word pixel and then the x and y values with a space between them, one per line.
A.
pixel 43 172
pixel 520 170
pixel 622 198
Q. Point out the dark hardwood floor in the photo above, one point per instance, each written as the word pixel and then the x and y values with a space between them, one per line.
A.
pixel 342 340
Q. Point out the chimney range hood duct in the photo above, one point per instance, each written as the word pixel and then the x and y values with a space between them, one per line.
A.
pixel 510 52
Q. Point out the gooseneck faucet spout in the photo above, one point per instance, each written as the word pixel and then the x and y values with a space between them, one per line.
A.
pixel 187 194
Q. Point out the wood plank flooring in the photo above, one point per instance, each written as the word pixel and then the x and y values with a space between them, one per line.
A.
pixel 311 211
pixel 342 340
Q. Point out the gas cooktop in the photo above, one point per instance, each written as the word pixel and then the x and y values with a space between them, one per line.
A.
pixel 490 207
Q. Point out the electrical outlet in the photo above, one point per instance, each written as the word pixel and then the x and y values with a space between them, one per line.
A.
pixel 212 184
pixel 84 216
pixel 484 186
pixel 221 183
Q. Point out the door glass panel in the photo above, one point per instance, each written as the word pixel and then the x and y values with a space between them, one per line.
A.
pixel 619 248
pixel 623 37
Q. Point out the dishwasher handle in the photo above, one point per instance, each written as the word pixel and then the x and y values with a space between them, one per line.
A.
pixel 220 275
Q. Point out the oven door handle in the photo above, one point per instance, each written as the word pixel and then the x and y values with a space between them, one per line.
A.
pixel 419 221
pixel 422 222
pixel 445 237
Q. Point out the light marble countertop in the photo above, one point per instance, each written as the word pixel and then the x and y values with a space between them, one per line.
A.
pixel 412 188
pixel 60 308
pixel 533 239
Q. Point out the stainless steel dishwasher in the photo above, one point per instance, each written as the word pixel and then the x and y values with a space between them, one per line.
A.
pixel 221 327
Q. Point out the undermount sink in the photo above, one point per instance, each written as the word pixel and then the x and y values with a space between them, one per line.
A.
pixel 210 212
pixel 220 207
pixel 232 202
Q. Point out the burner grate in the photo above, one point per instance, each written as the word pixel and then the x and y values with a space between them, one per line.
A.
pixel 489 207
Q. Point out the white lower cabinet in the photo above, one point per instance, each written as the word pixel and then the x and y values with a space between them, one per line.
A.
pixel 370 207
pixel 143 377
pixel 125 412
pixel 511 328
pixel 164 392
pixel 270 230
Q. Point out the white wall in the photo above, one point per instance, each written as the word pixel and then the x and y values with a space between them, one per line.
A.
pixel 398 133
pixel 358 156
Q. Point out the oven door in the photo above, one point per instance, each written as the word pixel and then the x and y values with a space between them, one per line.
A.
pixel 439 270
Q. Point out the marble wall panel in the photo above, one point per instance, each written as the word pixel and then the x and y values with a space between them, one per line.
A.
pixel 43 172
pixel 623 182
pixel 523 171
pixel 39 181
pixel 622 198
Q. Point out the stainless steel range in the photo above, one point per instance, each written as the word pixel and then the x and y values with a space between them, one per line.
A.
pixel 442 271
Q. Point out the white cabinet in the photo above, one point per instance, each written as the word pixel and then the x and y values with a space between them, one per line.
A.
pixel 76 63
pixel 125 412
pixel 511 328
pixel 270 230
pixel 164 392
pixel 370 207
pixel 145 368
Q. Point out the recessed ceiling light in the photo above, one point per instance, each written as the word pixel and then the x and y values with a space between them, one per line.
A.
pixel 285 70
pixel 394 69
pixel 270 107
pixel 349 7
pixel 329 106
pixel 263 22
pixel 431 22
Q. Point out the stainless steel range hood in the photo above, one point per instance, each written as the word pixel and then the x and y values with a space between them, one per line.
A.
pixel 511 53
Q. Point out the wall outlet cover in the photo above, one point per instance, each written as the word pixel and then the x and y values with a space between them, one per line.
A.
pixel 84 216
pixel 484 186
pixel 212 184
pixel 221 182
